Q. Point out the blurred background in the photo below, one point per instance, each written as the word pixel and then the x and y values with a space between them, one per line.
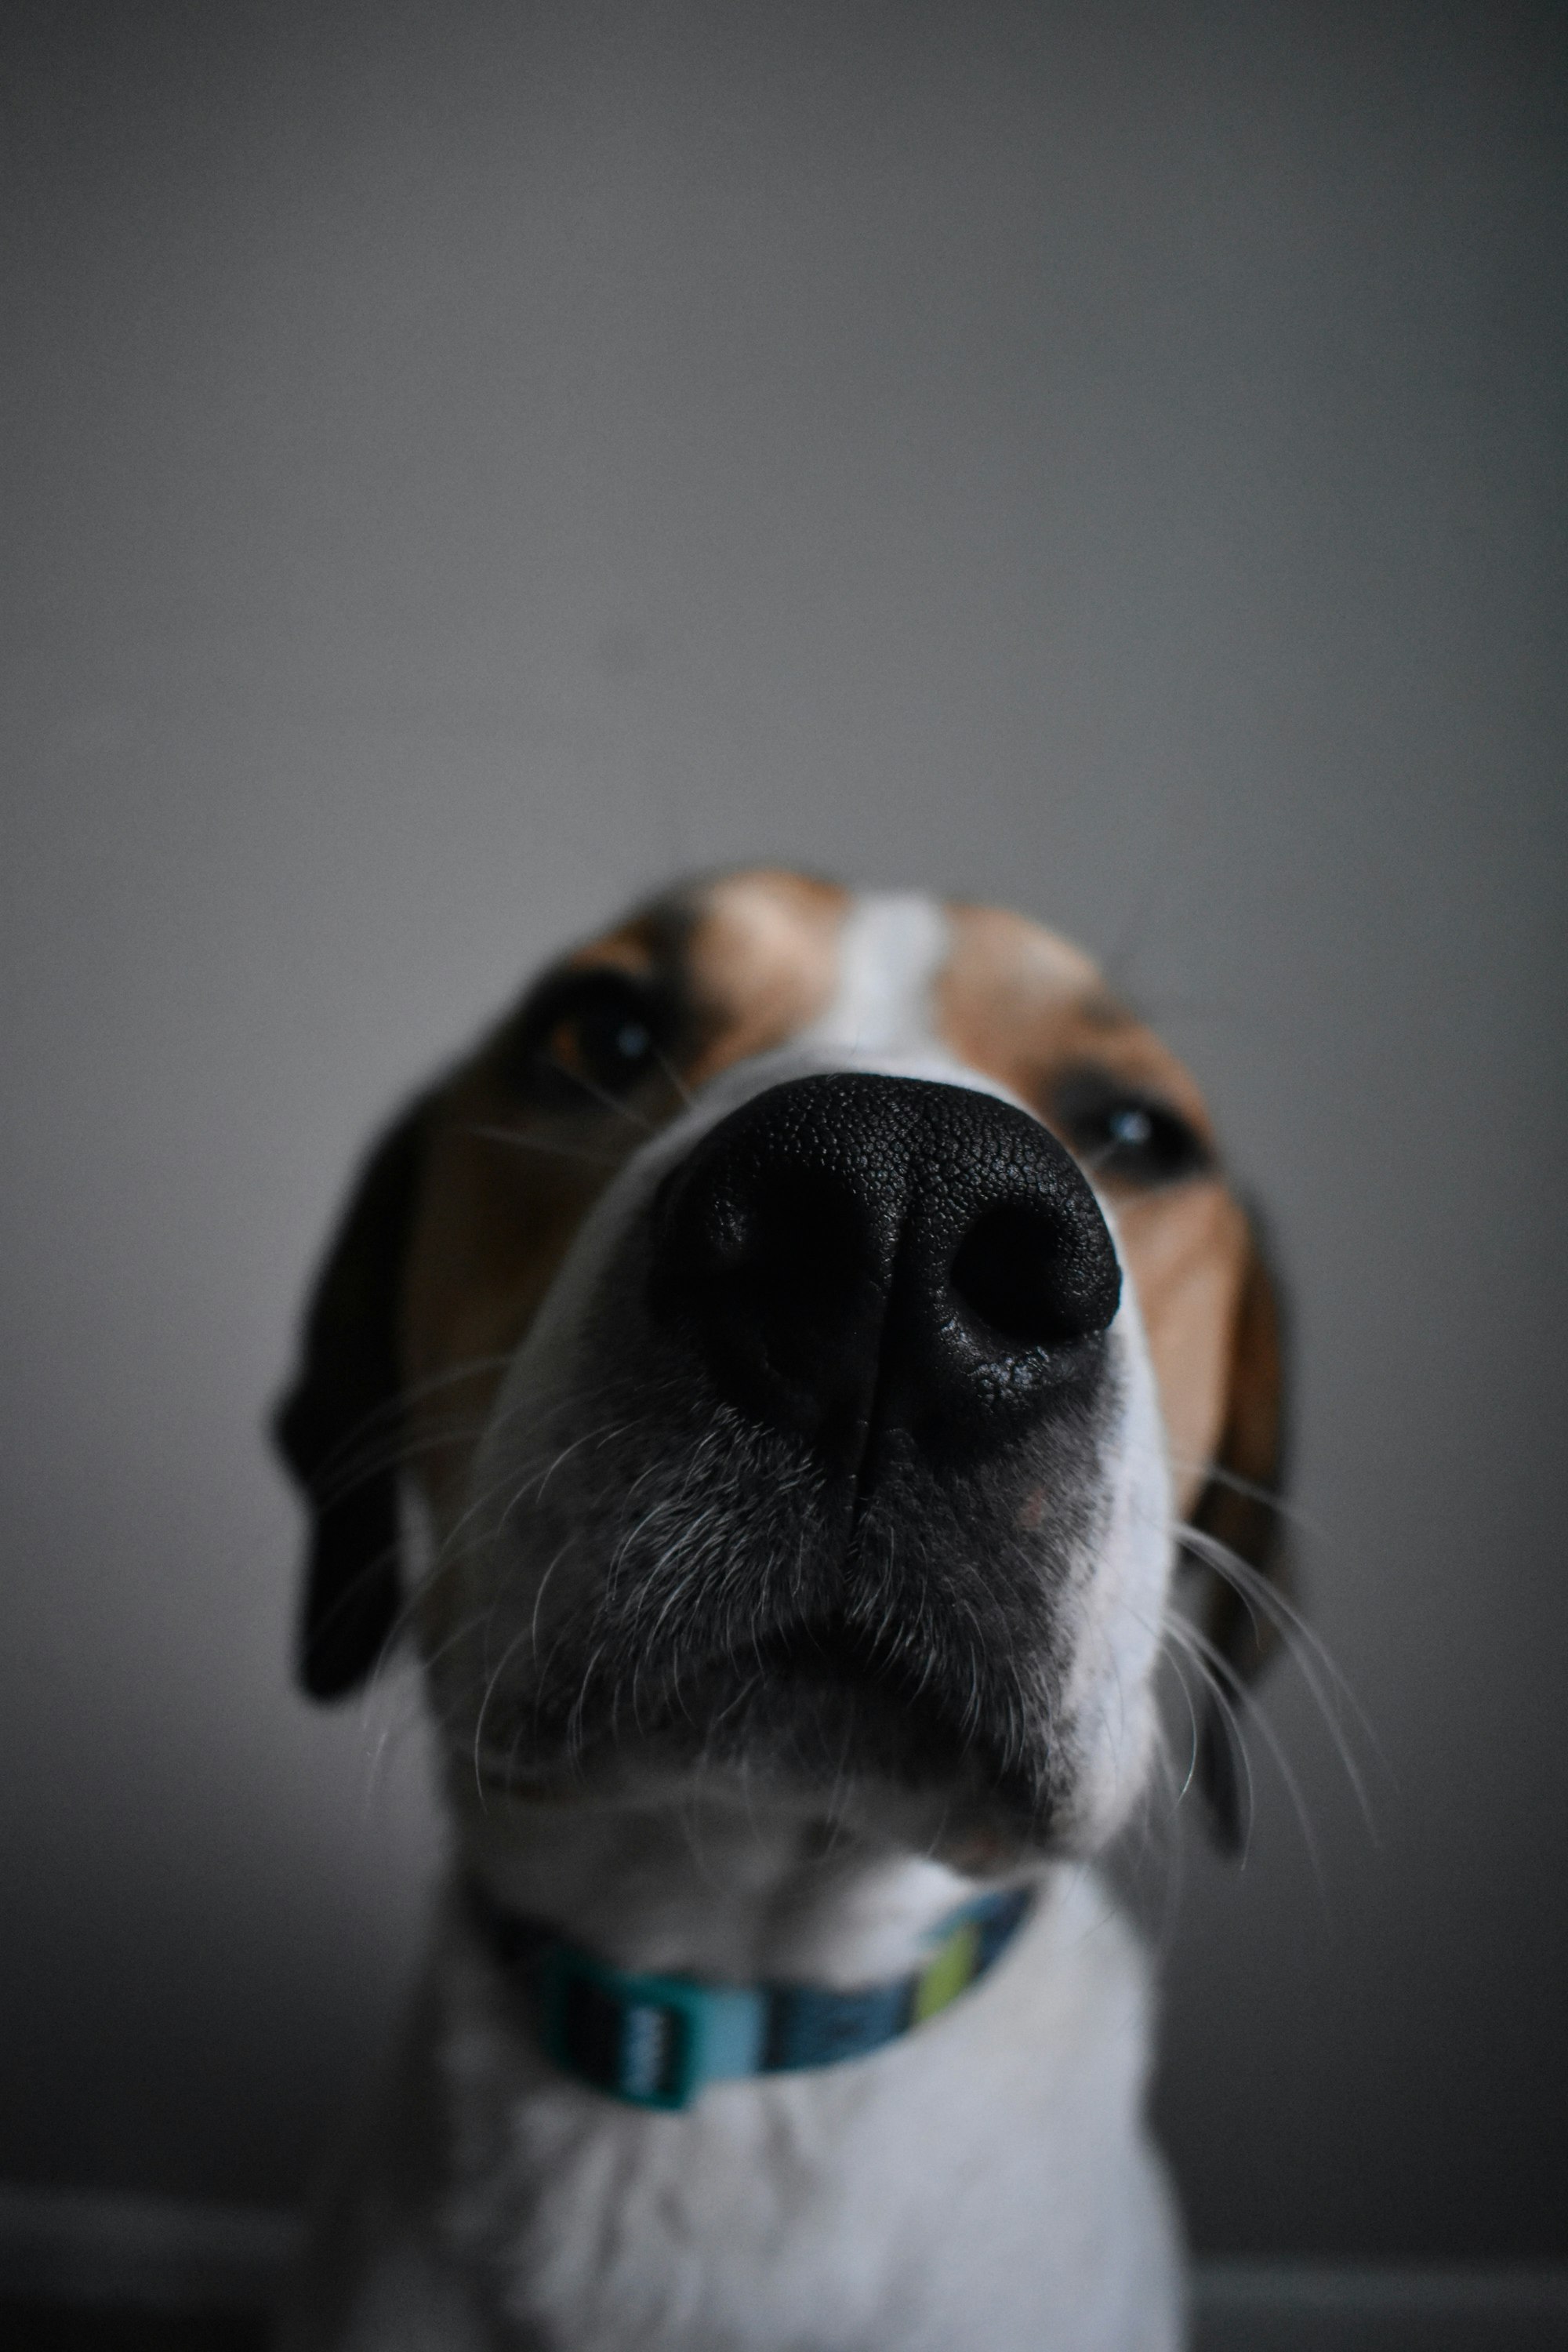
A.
pixel 466 462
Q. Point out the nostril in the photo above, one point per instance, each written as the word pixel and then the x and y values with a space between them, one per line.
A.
pixel 788 1251
pixel 727 1240
pixel 795 1227
pixel 1028 1275
pixel 778 1274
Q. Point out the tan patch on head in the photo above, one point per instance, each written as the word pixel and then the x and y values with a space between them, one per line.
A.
pixel 762 961
pixel 1186 1253
pixel 499 1203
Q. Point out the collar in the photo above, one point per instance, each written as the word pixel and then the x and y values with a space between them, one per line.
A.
pixel 655 2040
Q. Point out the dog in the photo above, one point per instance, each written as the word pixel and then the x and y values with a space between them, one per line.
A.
pixel 772 1380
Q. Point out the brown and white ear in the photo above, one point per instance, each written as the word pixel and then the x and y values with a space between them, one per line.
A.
pixel 1237 1542
pixel 339 1428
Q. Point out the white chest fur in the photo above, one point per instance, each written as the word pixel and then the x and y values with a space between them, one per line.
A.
pixel 984 2181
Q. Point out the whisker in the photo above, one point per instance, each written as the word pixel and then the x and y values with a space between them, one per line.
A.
pixel 601 1095
pixel 677 1081
pixel 1312 1658
pixel 1231 1700
pixel 1214 1473
pixel 542 1144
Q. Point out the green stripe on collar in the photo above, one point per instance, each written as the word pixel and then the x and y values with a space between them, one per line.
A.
pixel 655 2040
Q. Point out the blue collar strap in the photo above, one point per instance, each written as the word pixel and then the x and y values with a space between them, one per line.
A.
pixel 656 2041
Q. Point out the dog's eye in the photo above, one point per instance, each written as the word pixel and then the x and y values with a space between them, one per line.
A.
pixel 1119 1132
pixel 590 1036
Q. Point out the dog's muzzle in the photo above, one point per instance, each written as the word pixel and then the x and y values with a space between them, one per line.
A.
pixel 880 1265
pixel 830 1432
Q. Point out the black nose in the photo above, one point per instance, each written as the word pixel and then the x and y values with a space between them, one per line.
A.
pixel 860 1257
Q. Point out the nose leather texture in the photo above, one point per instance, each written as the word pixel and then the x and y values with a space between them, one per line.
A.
pixel 875 1263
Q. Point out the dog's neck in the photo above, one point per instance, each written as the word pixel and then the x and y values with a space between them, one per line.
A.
pixel 711 1885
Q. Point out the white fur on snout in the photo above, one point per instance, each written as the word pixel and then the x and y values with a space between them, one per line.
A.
pixel 1108 1700
pixel 891 951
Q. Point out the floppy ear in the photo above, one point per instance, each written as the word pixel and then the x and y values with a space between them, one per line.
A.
pixel 337 1427
pixel 1238 1537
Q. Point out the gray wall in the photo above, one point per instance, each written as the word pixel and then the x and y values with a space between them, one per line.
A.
pixel 466 461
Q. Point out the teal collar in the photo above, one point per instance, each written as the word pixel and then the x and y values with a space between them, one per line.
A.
pixel 656 2041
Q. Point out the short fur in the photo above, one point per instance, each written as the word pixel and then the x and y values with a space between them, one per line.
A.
pixel 705 1708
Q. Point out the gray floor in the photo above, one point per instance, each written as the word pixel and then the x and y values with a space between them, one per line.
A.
pixel 1257 2307
pixel 56 2327
pixel 86 2271
pixel 1225 2323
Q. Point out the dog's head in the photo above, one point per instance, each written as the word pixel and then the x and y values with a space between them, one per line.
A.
pixel 803 1324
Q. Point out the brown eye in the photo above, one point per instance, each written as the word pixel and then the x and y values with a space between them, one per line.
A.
pixel 589 1036
pixel 1121 1133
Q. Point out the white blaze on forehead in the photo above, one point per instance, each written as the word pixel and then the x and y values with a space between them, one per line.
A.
pixel 891 950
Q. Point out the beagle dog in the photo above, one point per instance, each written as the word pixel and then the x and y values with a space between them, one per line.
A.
pixel 772 1380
